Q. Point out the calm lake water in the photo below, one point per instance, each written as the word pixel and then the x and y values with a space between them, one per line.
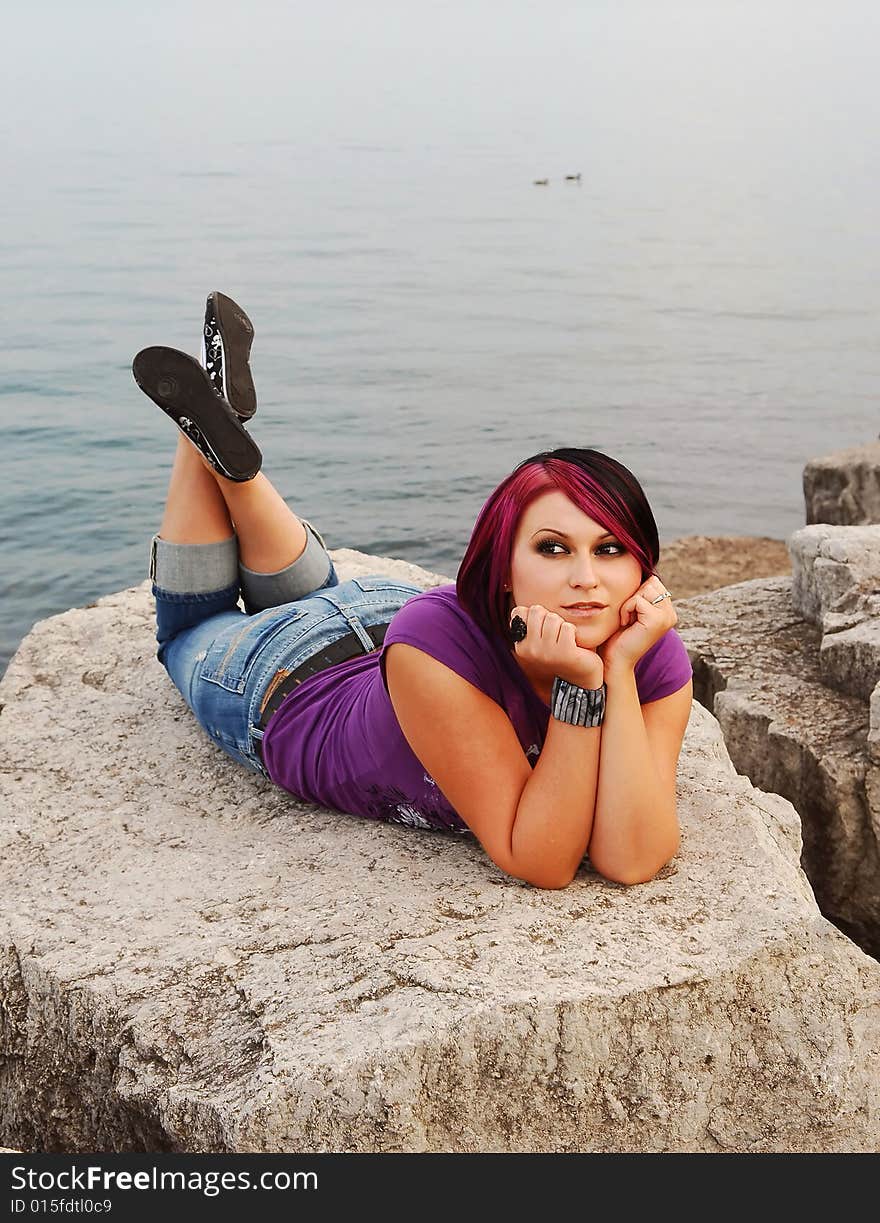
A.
pixel 703 304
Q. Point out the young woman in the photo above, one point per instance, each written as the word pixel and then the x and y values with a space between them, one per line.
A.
pixel 540 702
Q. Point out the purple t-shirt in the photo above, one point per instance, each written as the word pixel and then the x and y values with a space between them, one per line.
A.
pixel 335 740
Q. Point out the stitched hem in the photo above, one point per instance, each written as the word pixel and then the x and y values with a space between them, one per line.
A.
pixel 210 596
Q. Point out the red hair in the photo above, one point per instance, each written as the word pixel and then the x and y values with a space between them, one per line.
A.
pixel 598 485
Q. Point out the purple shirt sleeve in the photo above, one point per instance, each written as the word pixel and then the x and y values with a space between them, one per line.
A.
pixel 434 623
pixel 664 669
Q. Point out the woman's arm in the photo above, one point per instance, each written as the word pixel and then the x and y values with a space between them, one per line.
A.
pixel 635 828
pixel 533 824
pixel 609 790
pixel 554 816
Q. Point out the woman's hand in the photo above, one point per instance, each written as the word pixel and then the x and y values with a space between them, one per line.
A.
pixel 551 647
pixel 643 623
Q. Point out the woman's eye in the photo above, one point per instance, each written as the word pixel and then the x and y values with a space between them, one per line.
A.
pixel 547 544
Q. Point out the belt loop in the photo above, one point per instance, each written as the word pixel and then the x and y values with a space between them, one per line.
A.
pixel 284 682
pixel 153 558
pixel 362 635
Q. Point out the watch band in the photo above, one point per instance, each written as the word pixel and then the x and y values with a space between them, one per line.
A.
pixel 577 706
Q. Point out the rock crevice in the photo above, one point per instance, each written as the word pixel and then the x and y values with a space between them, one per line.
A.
pixel 790 666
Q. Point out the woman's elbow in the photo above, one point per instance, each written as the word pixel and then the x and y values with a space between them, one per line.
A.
pixel 628 878
pixel 631 875
pixel 538 879
pixel 554 885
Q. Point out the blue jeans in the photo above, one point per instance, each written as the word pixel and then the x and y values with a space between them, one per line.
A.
pixel 223 659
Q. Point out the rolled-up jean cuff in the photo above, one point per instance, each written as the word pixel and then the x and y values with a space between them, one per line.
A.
pixel 307 573
pixel 194 568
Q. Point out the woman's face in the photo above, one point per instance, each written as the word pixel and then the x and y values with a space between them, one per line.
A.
pixel 562 557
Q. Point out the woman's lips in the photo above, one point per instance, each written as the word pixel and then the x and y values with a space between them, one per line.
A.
pixel 584 611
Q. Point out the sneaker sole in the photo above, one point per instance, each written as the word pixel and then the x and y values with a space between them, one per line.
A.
pixel 181 388
pixel 237 333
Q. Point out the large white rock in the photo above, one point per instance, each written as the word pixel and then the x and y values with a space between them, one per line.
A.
pixel 833 571
pixel 194 960
pixel 758 666
pixel 844 487
pixel 835 584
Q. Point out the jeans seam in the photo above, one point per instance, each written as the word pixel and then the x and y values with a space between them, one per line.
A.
pixel 220 670
pixel 273 665
pixel 317 534
pixel 206 596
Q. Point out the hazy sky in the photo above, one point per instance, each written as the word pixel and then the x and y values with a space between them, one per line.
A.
pixel 437 71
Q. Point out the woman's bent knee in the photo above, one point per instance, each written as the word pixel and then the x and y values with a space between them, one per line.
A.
pixel 312 570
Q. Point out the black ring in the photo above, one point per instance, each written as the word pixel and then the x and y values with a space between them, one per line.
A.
pixel 518 629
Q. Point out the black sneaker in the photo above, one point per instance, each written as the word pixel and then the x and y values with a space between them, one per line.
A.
pixel 226 344
pixel 179 385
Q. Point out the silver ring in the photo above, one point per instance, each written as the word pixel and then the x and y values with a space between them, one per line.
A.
pixel 666 595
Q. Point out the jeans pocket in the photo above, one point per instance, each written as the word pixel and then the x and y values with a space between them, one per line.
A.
pixel 230 659
pixel 394 588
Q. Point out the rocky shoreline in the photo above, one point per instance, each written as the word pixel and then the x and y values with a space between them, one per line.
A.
pixel 192 960
pixel 212 965
pixel 698 564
